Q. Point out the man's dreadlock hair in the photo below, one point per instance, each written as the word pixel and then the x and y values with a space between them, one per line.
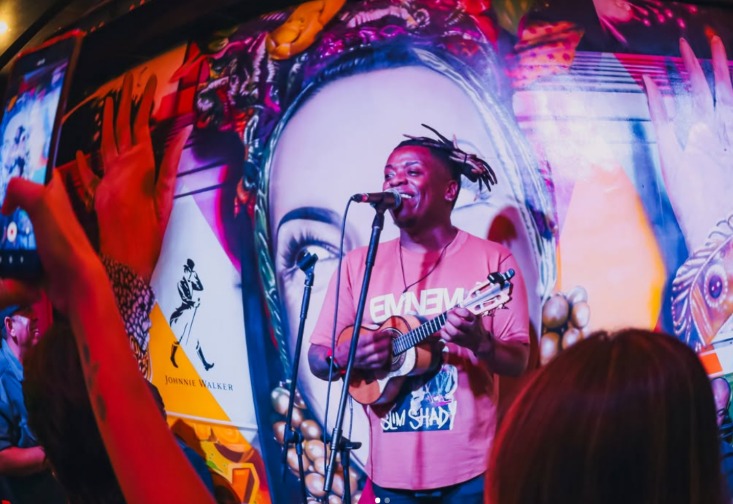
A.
pixel 458 161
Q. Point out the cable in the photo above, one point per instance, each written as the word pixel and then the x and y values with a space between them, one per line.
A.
pixel 333 330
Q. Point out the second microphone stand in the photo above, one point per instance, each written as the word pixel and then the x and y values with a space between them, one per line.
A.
pixel 337 443
pixel 307 263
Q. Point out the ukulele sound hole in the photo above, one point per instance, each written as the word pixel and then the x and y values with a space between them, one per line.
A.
pixel 397 361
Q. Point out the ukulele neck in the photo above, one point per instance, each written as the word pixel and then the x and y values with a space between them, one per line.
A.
pixel 404 342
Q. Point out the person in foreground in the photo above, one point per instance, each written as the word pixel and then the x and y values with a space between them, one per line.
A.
pixel 60 414
pixel 77 285
pixel 624 417
pixel 721 396
pixel 430 443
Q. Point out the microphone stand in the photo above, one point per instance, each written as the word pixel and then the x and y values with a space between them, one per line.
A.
pixel 345 448
pixel 338 443
pixel 307 263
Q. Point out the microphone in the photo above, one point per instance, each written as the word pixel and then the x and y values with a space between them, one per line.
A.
pixel 387 199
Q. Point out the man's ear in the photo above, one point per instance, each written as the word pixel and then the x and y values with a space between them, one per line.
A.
pixel 451 191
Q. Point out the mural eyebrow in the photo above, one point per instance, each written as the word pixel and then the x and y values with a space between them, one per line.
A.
pixel 318 214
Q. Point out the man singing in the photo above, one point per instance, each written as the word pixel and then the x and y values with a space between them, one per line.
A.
pixel 431 444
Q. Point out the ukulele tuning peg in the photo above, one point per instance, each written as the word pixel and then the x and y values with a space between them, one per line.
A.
pixel 501 278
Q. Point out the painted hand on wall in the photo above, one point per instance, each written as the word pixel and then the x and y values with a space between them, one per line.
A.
pixel 697 168
pixel 132 206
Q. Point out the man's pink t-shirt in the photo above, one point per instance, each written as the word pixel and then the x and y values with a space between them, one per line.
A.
pixel 437 433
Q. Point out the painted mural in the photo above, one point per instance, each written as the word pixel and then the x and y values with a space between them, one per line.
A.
pixel 609 124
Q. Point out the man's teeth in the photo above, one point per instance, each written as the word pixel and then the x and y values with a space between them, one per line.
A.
pixel 406 196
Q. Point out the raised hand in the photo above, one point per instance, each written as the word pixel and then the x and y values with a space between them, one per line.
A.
pixel 77 285
pixel 63 247
pixel 698 170
pixel 131 204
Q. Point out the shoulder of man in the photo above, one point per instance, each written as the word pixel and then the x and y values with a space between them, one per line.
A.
pixel 477 241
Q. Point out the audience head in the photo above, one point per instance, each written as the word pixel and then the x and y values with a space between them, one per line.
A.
pixel 61 416
pixel 721 395
pixel 19 329
pixel 626 417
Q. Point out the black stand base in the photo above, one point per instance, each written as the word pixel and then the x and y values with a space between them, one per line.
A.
pixel 345 447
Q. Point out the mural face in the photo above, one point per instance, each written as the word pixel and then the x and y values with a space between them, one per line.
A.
pixel 611 148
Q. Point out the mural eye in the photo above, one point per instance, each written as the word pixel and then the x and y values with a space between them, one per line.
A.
pixel 304 241
pixel 716 284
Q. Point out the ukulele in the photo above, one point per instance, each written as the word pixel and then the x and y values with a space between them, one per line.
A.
pixel 411 354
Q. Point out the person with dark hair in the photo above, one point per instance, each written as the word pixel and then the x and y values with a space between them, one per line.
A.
pixel 721 395
pixel 25 473
pixel 442 422
pixel 624 417
pixel 60 414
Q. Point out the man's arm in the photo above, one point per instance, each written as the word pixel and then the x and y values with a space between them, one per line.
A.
pixel 508 358
pixel 317 360
pixel 502 340
pixel 372 352
pixel 16 461
pixel 465 329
